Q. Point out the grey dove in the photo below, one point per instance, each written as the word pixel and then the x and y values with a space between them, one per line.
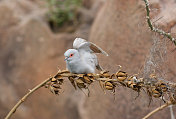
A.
pixel 82 58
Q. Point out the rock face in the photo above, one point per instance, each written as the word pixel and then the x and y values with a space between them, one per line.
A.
pixel 30 52
pixel 120 30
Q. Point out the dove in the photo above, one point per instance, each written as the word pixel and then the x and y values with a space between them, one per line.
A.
pixel 82 59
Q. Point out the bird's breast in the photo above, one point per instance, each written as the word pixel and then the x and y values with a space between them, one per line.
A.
pixel 80 67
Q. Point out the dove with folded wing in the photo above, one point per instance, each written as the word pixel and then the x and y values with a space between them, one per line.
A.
pixel 82 58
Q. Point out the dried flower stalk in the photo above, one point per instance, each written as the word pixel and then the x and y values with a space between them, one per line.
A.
pixel 152 28
pixel 108 82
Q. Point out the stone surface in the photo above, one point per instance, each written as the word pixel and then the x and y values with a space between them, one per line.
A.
pixel 120 30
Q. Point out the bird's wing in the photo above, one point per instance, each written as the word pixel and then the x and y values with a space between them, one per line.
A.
pixel 94 62
pixel 91 59
pixel 82 44
pixel 78 43
pixel 97 49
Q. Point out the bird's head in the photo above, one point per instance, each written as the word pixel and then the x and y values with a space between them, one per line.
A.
pixel 71 54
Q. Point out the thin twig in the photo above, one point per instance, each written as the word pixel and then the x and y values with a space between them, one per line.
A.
pixel 25 97
pixel 157 109
pixel 161 32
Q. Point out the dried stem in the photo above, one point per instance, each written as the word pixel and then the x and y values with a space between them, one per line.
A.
pixel 161 32
pixel 157 109
pixel 12 111
pixel 108 82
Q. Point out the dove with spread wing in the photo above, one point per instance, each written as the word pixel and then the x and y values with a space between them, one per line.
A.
pixel 82 59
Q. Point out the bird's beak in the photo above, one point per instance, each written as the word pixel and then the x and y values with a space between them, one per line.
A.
pixel 66 58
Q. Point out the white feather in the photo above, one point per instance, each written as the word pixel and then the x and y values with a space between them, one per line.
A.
pixel 84 59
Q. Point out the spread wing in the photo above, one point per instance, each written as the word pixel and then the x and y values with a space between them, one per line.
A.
pixel 78 42
pixel 86 50
pixel 97 49
pixel 82 44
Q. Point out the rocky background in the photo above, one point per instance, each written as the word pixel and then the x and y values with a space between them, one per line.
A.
pixel 30 52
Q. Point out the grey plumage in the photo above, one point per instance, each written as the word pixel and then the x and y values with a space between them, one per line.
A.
pixel 82 59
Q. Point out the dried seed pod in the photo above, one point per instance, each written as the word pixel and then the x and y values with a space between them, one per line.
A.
pixel 56 91
pixel 47 84
pixel 129 81
pixel 112 76
pixel 121 75
pixel 109 85
pixel 53 80
pixel 105 74
pixel 156 92
pixel 121 78
pixel 134 83
pixel 80 83
pixel 135 87
pixel 80 75
pixel 140 81
pixel 72 81
pixel 90 75
pixel 163 87
pixel 52 89
pixel 152 79
pixel 60 81
pixel 56 86
pixel 87 79
pixel 153 76
pixel 58 76
pixel 149 92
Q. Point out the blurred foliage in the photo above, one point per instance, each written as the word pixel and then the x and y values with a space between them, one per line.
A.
pixel 63 11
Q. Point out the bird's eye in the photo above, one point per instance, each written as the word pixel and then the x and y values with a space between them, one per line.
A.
pixel 71 55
